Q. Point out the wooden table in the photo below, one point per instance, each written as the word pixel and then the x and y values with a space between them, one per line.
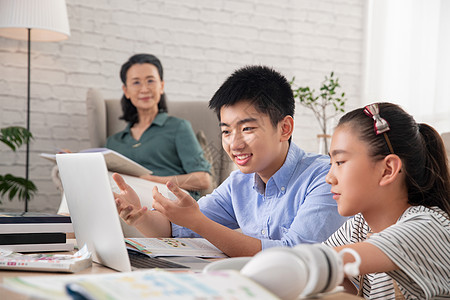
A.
pixel 96 269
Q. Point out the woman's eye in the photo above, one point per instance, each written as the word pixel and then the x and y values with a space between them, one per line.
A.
pixel 136 83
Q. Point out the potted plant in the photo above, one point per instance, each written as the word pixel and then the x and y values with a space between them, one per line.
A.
pixel 14 137
pixel 326 104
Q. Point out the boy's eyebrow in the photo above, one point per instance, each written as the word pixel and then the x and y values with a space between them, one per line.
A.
pixel 239 122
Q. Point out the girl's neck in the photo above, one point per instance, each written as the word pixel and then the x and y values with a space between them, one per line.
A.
pixel 385 216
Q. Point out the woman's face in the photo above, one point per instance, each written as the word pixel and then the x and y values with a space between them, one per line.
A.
pixel 144 86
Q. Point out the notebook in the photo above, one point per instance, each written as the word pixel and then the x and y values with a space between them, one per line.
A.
pixel 95 220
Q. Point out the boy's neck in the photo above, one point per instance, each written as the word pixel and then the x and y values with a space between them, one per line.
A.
pixel 266 174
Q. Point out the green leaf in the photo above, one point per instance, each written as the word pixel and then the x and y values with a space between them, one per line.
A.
pixel 11 186
pixel 15 136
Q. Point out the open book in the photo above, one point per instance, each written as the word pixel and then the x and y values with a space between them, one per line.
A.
pixel 198 247
pixel 115 162
pixel 45 262
pixel 140 285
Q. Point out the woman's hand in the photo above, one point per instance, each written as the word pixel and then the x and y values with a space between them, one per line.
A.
pixel 128 203
pixel 183 211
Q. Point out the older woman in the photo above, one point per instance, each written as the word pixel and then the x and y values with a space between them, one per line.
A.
pixel 164 144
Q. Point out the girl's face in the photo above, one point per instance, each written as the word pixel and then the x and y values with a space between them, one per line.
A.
pixel 144 86
pixel 354 176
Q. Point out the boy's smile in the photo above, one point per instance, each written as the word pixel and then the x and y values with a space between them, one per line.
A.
pixel 251 141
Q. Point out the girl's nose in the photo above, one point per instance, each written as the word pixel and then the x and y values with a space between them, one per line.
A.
pixel 330 178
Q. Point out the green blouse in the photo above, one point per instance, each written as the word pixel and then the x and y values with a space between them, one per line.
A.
pixel 168 147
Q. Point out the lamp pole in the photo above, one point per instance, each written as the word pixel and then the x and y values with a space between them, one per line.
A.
pixel 27 161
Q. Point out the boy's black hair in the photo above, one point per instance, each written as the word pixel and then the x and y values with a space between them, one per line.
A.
pixel 265 88
pixel 129 110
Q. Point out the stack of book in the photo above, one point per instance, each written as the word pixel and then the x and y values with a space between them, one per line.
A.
pixel 34 232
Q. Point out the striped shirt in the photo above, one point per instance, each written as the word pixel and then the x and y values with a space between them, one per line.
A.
pixel 419 244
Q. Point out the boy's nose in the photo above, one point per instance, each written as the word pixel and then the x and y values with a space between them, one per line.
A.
pixel 237 142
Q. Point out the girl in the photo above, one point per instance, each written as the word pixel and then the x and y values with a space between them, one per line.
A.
pixel 393 174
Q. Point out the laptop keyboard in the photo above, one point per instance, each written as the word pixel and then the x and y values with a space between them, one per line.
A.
pixel 142 261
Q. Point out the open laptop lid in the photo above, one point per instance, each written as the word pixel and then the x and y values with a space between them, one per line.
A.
pixel 92 208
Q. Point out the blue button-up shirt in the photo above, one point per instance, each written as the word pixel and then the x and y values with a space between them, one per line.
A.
pixel 295 206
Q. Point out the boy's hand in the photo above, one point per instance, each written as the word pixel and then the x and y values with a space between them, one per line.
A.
pixel 183 211
pixel 127 202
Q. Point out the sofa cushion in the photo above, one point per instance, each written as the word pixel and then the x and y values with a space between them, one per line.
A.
pixel 96 118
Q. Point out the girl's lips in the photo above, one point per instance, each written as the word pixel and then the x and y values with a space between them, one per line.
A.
pixel 336 196
pixel 242 159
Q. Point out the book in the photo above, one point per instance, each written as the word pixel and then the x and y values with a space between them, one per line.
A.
pixel 38 247
pixel 115 162
pixel 32 238
pixel 10 260
pixel 33 222
pixel 147 284
pixel 198 247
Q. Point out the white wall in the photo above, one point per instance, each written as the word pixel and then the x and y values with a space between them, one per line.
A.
pixel 200 42
pixel 407 58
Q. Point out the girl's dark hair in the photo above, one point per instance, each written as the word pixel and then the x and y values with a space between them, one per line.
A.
pixel 129 110
pixel 419 146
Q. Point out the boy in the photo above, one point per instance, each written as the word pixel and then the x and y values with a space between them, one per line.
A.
pixel 278 197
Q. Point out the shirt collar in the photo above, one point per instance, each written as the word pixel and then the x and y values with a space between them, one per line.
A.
pixel 159 120
pixel 282 177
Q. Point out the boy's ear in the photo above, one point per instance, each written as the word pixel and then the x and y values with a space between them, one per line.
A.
pixel 287 127
pixel 392 168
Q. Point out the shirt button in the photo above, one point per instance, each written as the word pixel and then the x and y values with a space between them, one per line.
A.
pixel 283 188
pixel 263 231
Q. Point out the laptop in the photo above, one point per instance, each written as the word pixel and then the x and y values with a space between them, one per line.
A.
pixel 95 219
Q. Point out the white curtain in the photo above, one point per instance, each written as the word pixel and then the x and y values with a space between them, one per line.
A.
pixel 408 57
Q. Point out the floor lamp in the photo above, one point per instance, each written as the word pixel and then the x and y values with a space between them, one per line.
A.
pixel 33 20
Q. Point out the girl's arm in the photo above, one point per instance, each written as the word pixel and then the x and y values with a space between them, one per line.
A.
pixel 373 260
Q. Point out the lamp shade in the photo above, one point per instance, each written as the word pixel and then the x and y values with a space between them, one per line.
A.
pixel 47 19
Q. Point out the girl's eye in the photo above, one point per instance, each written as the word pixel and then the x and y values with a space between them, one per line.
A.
pixel 338 163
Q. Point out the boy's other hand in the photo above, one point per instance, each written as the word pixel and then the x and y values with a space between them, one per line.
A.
pixel 183 211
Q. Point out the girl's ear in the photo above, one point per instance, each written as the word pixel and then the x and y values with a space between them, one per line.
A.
pixel 287 127
pixel 392 167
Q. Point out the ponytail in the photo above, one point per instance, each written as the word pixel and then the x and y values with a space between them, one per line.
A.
pixel 436 185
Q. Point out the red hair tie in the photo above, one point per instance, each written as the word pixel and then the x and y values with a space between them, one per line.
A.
pixel 381 126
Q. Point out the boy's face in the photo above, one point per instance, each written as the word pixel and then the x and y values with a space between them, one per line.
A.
pixel 251 141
